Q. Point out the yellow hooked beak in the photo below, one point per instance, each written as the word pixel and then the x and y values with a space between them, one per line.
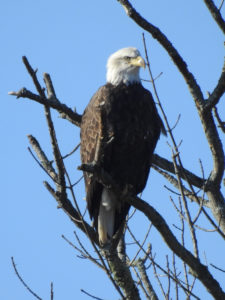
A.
pixel 138 61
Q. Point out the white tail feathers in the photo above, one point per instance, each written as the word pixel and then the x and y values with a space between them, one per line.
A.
pixel 106 217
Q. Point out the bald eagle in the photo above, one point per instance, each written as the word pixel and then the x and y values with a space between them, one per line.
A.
pixel 119 131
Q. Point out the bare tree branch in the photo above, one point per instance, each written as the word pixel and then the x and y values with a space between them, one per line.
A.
pixel 217 93
pixel 220 122
pixel 63 109
pixel 167 165
pixel 23 282
pixel 52 292
pixel 215 12
pixel 142 270
pixel 91 296
pixel 121 272
pixel 221 4
pixel 44 162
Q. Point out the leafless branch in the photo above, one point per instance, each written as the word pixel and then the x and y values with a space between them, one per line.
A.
pixel 52 292
pixel 23 282
pixel 220 122
pixel 169 281
pixel 74 150
pixel 219 90
pixel 187 193
pixel 142 244
pixel 61 186
pixel 91 296
pixel 43 160
pixel 175 275
pixel 139 282
pixel 64 111
pixel 221 4
pixel 217 268
pixel 167 165
pixel 84 254
pixel 187 212
pixel 215 12
pixel 148 286
pixel 121 271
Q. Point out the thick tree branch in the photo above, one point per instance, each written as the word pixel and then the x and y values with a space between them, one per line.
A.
pixel 122 276
pixel 142 270
pixel 215 12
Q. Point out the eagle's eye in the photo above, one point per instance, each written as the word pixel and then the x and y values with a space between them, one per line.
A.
pixel 127 58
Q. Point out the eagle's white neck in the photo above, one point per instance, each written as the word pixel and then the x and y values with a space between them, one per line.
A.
pixel 116 75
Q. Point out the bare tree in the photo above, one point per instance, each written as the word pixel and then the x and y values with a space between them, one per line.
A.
pixel 130 274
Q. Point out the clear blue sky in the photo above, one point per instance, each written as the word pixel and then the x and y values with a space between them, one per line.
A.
pixel 71 40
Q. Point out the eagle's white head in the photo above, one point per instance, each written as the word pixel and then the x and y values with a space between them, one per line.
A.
pixel 123 66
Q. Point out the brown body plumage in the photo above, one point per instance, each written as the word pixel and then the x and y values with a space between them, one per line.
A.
pixel 119 131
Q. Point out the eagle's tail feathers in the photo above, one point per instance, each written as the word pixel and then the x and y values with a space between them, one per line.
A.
pixel 106 216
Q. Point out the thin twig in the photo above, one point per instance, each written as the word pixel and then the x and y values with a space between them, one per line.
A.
pixel 220 122
pixel 143 242
pixel 221 4
pixel 84 254
pixel 217 268
pixel 52 292
pixel 43 168
pixel 88 294
pixel 74 150
pixel 23 282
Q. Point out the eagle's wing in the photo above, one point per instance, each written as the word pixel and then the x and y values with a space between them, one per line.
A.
pixel 119 131
pixel 92 143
